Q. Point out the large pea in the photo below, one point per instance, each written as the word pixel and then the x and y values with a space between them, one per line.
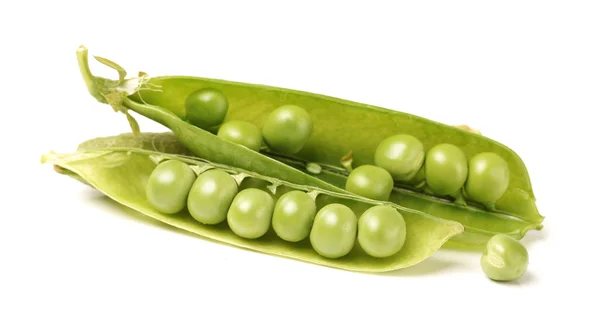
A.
pixel 504 258
pixel 211 195
pixel 287 129
pixel 250 213
pixel 381 231
pixel 293 215
pixel 206 107
pixel 445 169
pixel 242 133
pixel 488 178
pixel 371 182
pixel 334 231
pixel 168 186
pixel 402 155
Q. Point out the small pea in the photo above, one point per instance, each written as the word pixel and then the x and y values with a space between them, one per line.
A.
pixel 168 186
pixel 381 231
pixel 402 155
pixel 206 108
pixel 504 258
pixel 488 178
pixel 287 129
pixel 445 169
pixel 371 182
pixel 293 216
pixel 334 231
pixel 250 213
pixel 211 195
pixel 241 132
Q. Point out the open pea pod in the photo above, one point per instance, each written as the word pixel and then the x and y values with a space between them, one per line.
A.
pixel 340 127
pixel 120 167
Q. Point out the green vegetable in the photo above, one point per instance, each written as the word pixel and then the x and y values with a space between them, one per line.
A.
pixel 119 167
pixel 211 195
pixel 381 231
pixel 371 182
pixel 250 213
pixel 293 215
pixel 206 107
pixel 334 231
pixel 402 155
pixel 488 178
pixel 445 169
pixel 287 129
pixel 168 186
pixel 242 133
pixel 504 258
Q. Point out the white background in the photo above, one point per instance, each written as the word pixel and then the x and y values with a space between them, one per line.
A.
pixel 74 263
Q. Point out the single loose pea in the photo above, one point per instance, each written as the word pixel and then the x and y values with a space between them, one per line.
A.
pixel 293 215
pixel 206 108
pixel 371 182
pixel 168 186
pixel 334 231
pixel 445 169
pixel 287 129
pixel 488 177
pixel 504 258
pixel 250 213
pixel 381 231
pixel 402 155
pixel 211 195
pixel 241 132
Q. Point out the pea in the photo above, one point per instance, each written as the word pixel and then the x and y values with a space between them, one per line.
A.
pixel 445 169
pixel 334 231
pixel 287 129
pixel 402 155
pixel 504 258
pixel 241 132
pixel 293 216
pixel 168 185
pixel 206 108
pixel 488 177
pixel 211 195
pixel 250 213
pixel 381 231
pixel 371 182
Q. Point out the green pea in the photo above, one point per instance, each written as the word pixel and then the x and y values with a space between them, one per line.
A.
pixel 287 129
pixel 334 231
pixel 250 213
pixel 371 182
pixel 488 178
pixel 168 186
pixel 504 258
pixel 381 231
pixel 242 133
pixel 206 108
pixel 293 216
pixel 402 155
pixel 211 195
pixel 445 169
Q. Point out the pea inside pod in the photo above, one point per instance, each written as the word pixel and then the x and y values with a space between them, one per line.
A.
pixel 250 213
pixel 241 132
pixel 402 155
pixel 445 169
pixel 211 195
pixel 293 215
pixel 287 129
pixel 168 186
pixel 488 178
pixel 334 231
pixel 206 107
pixel 371 182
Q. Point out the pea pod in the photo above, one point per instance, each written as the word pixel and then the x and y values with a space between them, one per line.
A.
pixel 343 127
pixel 120 167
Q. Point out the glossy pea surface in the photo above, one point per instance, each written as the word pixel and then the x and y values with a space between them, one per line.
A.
pixel 488 177
pixel 371 182
pixel 445 169
pixel 293 216
pixel 402 155
pixel 211 195
pixel 381 231
pixel 504 258
pixel 334 231
pixel 206 107
pixel 168 186
pixel 250 213
pixel 287 129
pixel 241 132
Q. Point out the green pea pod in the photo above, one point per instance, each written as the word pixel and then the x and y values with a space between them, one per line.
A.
pixel 341 127
pixel 120 166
